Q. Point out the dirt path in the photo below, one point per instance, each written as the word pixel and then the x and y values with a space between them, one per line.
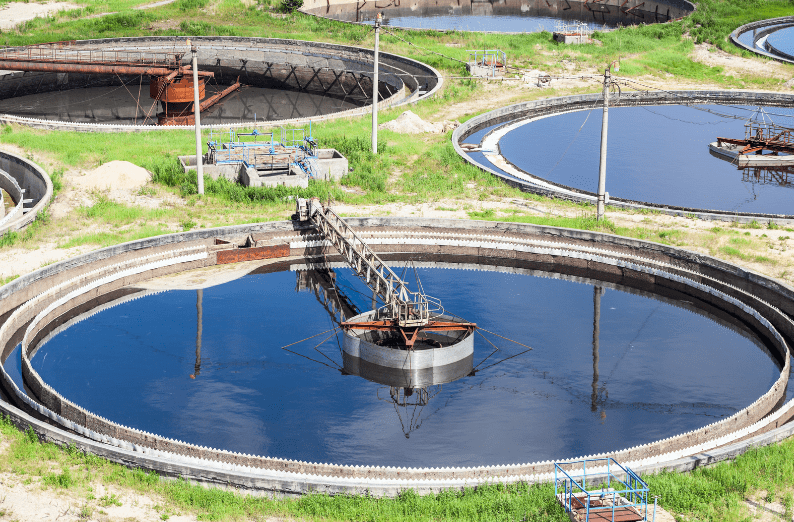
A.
pixel 14 13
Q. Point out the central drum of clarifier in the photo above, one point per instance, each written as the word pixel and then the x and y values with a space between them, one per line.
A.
pixel 438 358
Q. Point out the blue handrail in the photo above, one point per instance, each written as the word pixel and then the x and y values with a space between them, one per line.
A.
pixel 570 491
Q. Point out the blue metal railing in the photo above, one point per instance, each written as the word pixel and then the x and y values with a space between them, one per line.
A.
pixel 292 147
pixel 630 490
pixel 489 58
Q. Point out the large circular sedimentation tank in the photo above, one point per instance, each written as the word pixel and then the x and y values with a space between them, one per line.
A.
pixel 657 151
pixel 656 365
pixel 624 336
pixel 773 38
pixel 282 81
pixel 508 16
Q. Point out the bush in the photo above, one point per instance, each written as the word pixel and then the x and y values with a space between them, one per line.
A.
pixel 290 6
pixel 191 5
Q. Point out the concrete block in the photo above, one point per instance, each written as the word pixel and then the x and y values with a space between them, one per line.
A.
pixel 230 171
pixel 251 177
pixel 481 71
pixel 572 39
pixel 333 166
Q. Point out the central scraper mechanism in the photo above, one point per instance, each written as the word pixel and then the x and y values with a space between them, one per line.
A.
pixel 412 314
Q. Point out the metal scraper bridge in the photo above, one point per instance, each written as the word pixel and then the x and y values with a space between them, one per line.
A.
pixel 405 311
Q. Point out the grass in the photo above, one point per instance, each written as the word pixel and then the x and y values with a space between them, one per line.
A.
pixel 715 493
pixel 68 469
pixel 7 279
pixel 585 221
pixel 104 239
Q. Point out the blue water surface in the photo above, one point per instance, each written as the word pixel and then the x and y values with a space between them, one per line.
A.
pixel 662 370
pixel 782 40
pixel 656 154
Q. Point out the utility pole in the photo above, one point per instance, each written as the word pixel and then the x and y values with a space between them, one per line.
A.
pixel 602 168
pixel 375 89
pixel 197 118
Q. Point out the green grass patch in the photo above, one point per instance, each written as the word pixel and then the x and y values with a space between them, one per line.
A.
pixel 104 239
pixel 586 222
pixel 111 212
pixel 9 239
pixel 714 493
pixel 7 279
pixel 27 457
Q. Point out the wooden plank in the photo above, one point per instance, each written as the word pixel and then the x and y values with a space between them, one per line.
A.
pixel 622 514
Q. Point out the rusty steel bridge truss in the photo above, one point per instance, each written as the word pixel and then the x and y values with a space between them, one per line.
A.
pixel 406 311
pixel 171 82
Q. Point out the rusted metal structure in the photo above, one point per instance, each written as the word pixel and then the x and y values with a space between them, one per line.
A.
pixel 782 176
pixel 407 314
pixel 761 136
pixel 171 83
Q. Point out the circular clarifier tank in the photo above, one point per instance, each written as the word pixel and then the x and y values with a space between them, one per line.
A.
pixel 609 367
pixel 147 81
pixel 511 16
pixel 656 154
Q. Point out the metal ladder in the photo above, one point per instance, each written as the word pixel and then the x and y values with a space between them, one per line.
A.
pixel 406 307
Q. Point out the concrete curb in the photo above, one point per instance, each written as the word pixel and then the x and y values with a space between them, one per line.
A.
pixel 554 106
pixel 12 188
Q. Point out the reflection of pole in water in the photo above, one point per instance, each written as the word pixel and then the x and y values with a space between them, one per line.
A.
pixel 199 327
pixel 597 293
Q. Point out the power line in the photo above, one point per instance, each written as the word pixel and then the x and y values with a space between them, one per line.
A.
pixel 421 48
pixel 694 104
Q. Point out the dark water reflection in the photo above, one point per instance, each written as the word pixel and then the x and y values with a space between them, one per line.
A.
pixel 120 106
pixel 501 16
pixel 660 370
pixel 657 154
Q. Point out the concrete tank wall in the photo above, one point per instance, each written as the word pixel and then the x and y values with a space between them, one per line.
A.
pixel 402 368
pixel 24 180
